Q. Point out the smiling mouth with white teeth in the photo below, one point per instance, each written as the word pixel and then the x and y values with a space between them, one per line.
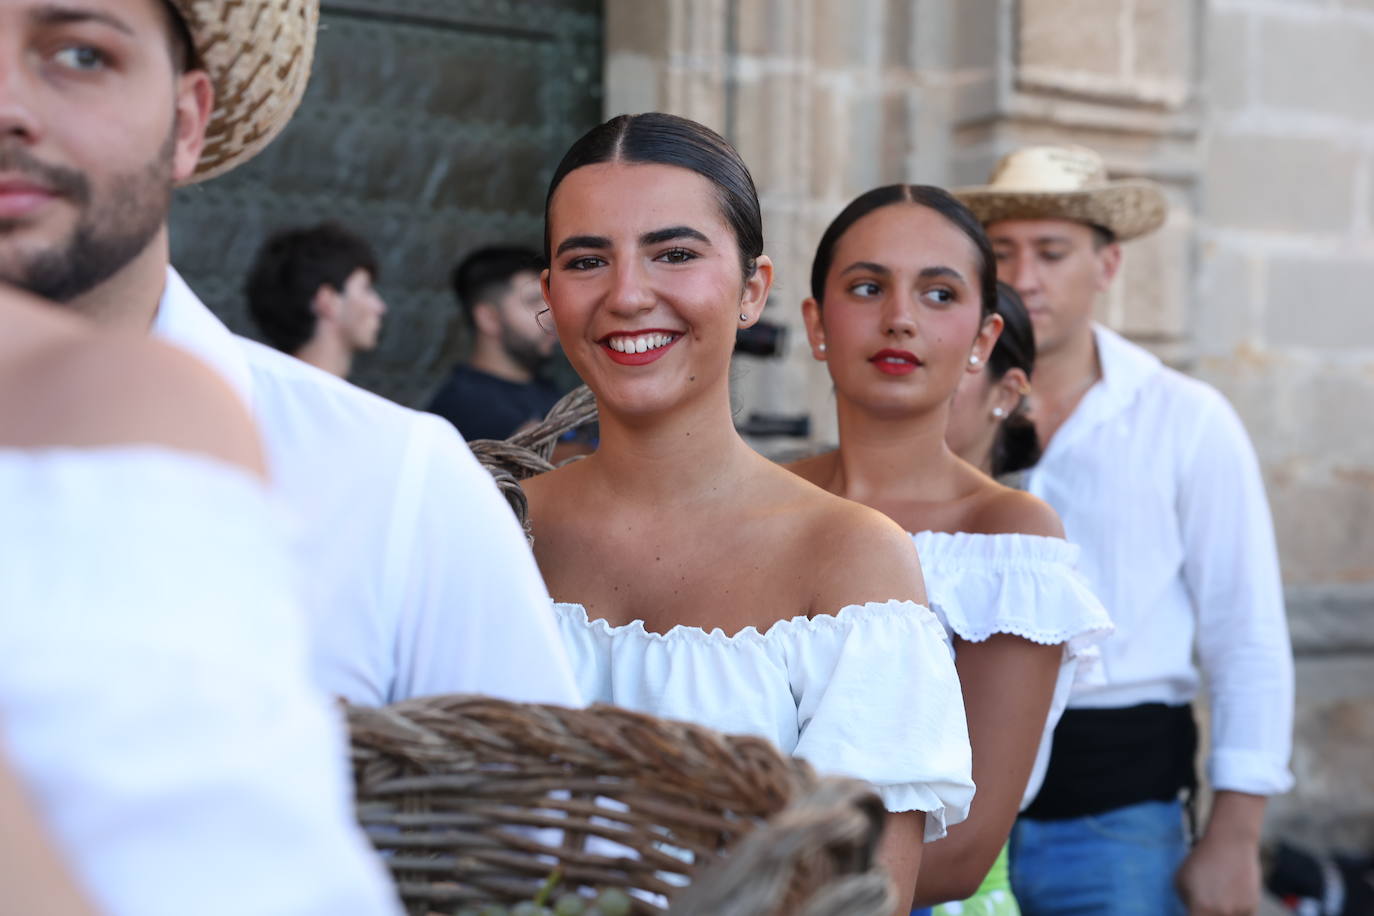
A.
pixel 639 343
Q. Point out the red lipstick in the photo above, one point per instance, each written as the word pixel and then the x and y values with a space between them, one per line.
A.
pixel 895 362
pixel 639 358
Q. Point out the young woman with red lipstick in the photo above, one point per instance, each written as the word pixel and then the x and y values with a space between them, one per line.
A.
pixel 903 290
pixel 710 584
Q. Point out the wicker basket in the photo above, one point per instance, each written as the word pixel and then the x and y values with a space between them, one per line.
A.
pixel 475 800
pixel 528 453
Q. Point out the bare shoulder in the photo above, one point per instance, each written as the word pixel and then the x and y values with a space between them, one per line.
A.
pixel 852 554
pixel 814 468
pixel 546 490
pixel 83 388
pixel 1008 511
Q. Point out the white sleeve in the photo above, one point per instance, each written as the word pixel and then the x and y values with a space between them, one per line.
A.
pixel 475 616
pixel 878 699
pixel 155 702
pixel 1232 571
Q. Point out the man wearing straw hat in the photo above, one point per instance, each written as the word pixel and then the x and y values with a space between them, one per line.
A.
pixel 417 577
pixel 1156 479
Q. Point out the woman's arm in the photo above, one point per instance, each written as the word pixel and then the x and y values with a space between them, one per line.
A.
pixel 1008 683
pixel 899 851
pixel 34 877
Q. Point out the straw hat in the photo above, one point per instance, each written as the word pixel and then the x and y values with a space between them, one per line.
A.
pixel 258 54
pixel 1066 182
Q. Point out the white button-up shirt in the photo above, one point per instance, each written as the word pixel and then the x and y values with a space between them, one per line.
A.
pixel 1155 478
pixel 417 577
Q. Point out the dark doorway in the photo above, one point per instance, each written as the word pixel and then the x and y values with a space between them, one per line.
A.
pixel 430 127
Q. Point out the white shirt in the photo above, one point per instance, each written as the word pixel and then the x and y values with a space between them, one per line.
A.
pixel 868 692
pixel 1154 477
pixel 417 577
pixel 1023 585
pixel 154 697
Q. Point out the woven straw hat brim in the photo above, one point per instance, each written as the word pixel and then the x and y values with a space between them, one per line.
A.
pixel 258 54
pixel 1129 209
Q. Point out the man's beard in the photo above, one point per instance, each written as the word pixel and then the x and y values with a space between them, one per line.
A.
pixel 528 353
pixel 110 232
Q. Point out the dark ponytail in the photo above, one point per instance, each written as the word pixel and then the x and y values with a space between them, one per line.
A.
pixel 1017 445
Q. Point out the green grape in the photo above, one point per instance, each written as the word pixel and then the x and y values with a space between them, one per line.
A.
pixel 612 902
pixel 570 905
pixel 530 908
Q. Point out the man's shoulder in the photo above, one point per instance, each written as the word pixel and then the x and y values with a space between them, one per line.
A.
pixel 295 400
pixel 1184 396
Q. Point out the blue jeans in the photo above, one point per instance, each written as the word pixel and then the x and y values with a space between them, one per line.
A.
pixel 1119 863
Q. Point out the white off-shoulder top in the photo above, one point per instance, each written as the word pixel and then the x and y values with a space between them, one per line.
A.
pixel 868 692
pixel 1023 585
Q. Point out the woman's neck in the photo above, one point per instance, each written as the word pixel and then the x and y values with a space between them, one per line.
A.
pixel 892 457
pixel 689 453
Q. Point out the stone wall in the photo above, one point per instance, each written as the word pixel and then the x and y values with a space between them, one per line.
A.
pixel 1255 115
pixel 1282 322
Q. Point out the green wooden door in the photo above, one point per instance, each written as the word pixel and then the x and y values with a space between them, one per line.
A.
pixel 430 127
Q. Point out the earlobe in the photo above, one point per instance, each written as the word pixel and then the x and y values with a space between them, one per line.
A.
pixel 815 330
pixel 325 305
pixel 1110 259
pixel 757 286
pixel 195 102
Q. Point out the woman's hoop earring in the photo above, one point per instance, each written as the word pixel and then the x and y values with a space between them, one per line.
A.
pixel 539 320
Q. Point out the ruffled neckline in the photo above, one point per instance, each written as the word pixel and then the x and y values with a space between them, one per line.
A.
pixel 965 548
pixel 849 615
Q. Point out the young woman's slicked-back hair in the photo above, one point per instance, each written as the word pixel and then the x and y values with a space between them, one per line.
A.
pixel 937 199
pixel 664 139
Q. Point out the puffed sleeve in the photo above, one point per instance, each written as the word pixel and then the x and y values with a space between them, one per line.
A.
pixel 878 699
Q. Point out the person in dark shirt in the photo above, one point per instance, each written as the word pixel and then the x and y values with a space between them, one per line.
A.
pixel 498 391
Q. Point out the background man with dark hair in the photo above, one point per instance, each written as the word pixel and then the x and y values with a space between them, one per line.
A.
pixel 311 294
pixel 497 391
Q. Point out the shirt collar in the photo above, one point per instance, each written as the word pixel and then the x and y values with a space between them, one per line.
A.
pixel 1125 366
pixel 182 319
pixel 1125 370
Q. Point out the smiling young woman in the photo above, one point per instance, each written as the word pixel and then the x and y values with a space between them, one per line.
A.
pixel 903 288
pixel 711 585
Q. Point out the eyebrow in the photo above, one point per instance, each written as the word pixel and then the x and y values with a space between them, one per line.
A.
pixel 930 273
pixel 1038 240
pixel 595 242
pixel 659 236
pixel 927 273
pixel 68 15
pixel 656 237
pixel 867 267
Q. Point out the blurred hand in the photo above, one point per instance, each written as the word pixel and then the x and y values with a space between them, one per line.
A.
pixel 1220 877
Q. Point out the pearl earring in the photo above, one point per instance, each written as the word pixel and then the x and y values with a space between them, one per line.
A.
pixel 820 347
pixel 999 413
pixel 973 359
pixel 743 317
